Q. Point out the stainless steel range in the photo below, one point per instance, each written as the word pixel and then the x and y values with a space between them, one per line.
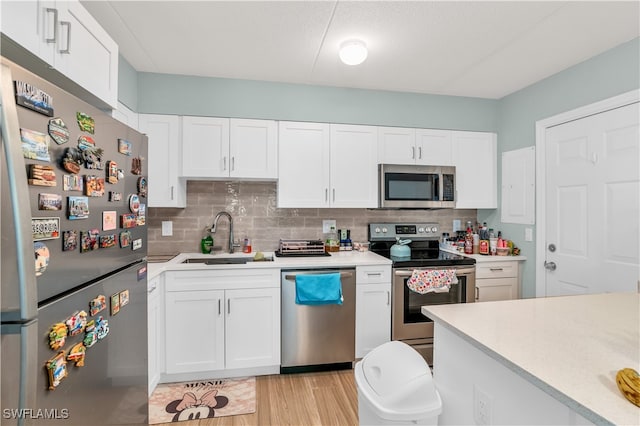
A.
pixel 407 322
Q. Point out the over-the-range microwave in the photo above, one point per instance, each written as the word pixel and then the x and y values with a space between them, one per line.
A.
pixel 417 187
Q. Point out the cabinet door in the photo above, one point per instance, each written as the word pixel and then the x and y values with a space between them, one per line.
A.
pixel 155 322
pixel 396 145
pixel 373 316
pixel 200 345
pixel 354 166
pixel 252 328
pixel 434 147
pixel 32 24
pixel 253 148
pixel 475 161
pixel 491 289
pixel 167 190
pixel 86 53
pixel 303 165
pixel 205 147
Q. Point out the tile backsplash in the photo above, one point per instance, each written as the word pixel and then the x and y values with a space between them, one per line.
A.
pixel 255 215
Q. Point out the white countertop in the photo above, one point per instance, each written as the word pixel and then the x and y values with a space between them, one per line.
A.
pixel 571 347
pixel 484 258
pixel 335 260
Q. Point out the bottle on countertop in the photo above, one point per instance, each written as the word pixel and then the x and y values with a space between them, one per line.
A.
pixel 468 240
pixel 246 247
pixel 206 243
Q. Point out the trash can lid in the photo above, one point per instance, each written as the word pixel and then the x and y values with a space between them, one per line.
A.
pixel 398 383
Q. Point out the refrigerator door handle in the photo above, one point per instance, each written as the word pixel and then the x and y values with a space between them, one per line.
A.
pixel 19 195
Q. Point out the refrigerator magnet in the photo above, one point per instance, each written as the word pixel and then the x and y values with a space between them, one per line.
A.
pixel 134 203
pixel 45 228
pixel 107 241
pixel 94 186
pixel 142 186
pixel 136 244
pixel 72 183
pixel 136 165
pixel 102 328
pixel 57 369
pixel 125 239
pixel 72 160
pixel 115 304
pixel 124 298
pixel 42 256
pixel 86 122
pixel 112 172
pixel 124 147
pixel 115 196
pixel 58 131
pixel 89 240
pixel 29 96
pixel 51 202
pixel 109 218
pixel 69 240
pixel 90 334
pixel 128 220
pixel 142 218
pixel 42 175
pixel 76 354
pixel 78 207
pixel 97 305
pixel 92 158
pixel 76 323
pixel 58 335
pixel 35 145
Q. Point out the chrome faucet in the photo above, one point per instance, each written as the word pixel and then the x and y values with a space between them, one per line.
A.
pixel 215 224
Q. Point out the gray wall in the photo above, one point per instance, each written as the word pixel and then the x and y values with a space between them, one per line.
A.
pixel 611 73
pixel 127 84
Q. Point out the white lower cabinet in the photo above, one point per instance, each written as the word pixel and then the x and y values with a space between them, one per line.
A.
pixel 222 323
pixel 373 307
pixel 497 280
pixel 155 326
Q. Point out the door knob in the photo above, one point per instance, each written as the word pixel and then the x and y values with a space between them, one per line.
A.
pixel 551 266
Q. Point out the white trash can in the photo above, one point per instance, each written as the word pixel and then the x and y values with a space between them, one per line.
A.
pixel 395 387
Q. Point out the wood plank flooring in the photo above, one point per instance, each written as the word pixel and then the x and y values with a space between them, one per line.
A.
pixel 327 398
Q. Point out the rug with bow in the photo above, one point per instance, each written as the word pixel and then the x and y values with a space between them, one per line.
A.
pixel 174 402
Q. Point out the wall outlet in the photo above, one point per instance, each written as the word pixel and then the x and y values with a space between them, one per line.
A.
pixel 482 406
pixel 167 228
pixel 327 224
pixel 528 234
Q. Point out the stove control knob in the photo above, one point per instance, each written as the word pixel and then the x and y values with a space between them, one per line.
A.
pixel 434 229
pixel 384 230
pixel 421 230
pixel 377 230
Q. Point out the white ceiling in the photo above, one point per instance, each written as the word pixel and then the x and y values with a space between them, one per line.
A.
pixel 461 48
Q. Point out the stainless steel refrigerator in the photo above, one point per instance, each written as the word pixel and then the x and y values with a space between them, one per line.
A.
pixel 73 259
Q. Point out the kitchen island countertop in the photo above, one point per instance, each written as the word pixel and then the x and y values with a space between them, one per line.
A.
pixel 570 347
pixel 335 260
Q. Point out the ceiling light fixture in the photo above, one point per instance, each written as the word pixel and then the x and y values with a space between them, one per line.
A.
pixel 353 52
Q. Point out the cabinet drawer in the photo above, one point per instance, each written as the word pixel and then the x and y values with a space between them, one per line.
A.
pixel 496 270
pixel 373 274
pixel 490 289
pixel 198 280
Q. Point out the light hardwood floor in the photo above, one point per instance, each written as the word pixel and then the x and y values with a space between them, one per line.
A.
pixel 327 398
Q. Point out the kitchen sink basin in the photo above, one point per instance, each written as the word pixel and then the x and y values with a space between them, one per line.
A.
pixel 225 260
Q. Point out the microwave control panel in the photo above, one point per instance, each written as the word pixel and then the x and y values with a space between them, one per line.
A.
pixel 448 188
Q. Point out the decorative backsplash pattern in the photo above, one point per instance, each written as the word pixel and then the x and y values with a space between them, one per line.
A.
pixel 255 215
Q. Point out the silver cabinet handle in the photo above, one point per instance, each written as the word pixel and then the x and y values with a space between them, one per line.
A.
pixel 219 307
pixel 228 306
pixel 374 274
pixel 495 269
pixel 388 298
pixel 172 192
pixel 233 163
pixel 413 152
pixel 477 293
pixel 224 163
pixel 326 195
pixel 68 25
pixel 152 289
pixel 55 24
pixel 292 277
pixel 334 194
pixel 419 153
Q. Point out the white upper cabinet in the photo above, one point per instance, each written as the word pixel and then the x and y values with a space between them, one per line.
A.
pixel 398 145
pixel 69 39
pixel 327 165
pixel 354 170
pixel 229 148
pixel 303 165
pixel 165 151
pixel 476 176
pixel 253 147
pixel 434 147
pixel 205 147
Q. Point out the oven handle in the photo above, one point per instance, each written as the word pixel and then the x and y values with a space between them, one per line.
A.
pixel 459 271
pixel 342 275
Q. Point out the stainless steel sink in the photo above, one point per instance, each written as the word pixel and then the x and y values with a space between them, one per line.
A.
pixel 225 260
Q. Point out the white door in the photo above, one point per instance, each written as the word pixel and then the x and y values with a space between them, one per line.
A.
pixel 253 148
pixel 205 147
pixel 252 328
pixel 198 347
pixel 396 145
pixel 303 165
pixel 434 147
pixel 354 166
pixel 592 203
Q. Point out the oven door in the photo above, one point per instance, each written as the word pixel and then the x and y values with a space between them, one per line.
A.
pixel 407 320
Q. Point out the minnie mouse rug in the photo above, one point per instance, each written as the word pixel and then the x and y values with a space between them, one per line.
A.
pixel 174 402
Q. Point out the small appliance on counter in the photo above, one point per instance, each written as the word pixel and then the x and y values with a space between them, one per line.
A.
pixel 300 248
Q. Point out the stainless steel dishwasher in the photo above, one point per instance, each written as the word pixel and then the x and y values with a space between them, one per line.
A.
pixel 318 337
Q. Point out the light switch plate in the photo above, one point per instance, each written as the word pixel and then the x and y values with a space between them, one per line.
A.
pixel 167 228
pixel 457 225
pixel 528 234
pixel 327 224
